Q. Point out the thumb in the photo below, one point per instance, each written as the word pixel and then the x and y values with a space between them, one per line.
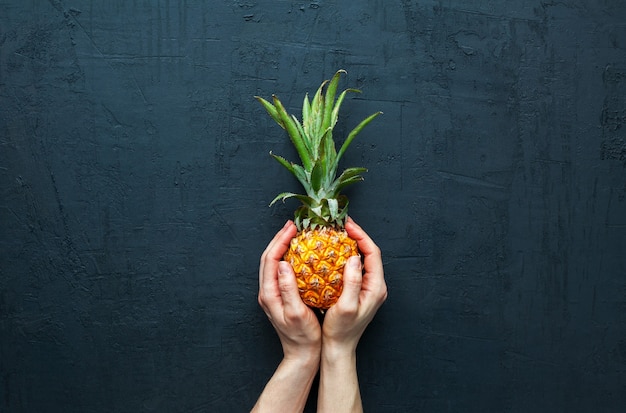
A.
pixel 287 285
pixel 352 280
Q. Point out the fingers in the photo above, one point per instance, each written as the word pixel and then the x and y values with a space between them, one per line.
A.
pixel 366 245
pixel 352 280
pixel 269 297
pixel 297 327
pixel 371 252
pixel 288 288
pixel 279 244
pixel 372 256
pixel 273 254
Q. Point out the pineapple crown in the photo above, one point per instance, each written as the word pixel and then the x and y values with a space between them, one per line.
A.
pixel 322 204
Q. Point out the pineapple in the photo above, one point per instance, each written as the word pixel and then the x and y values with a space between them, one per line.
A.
pixel 321 247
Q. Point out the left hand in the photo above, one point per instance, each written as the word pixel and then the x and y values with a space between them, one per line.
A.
pixel 296 324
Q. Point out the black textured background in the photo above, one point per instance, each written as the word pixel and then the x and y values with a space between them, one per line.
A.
pixel 134 183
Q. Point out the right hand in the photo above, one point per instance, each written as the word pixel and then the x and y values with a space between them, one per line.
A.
pixel 364 291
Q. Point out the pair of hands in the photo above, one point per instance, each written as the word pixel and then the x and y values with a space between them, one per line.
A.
pixel 309 347
pixel 301 335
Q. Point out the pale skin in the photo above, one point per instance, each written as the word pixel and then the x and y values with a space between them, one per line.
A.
pixel 309 347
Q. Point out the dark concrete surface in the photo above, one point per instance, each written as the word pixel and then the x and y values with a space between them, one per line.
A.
pixel 135 179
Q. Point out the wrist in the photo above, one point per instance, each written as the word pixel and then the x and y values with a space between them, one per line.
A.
pixel 335 352
pixel 305 358
pixel 339 383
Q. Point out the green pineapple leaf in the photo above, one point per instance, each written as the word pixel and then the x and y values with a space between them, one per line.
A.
pixel 307 200
pixel 347 182
pixel 331 90
pixel 355 132
pixel 350 175
pixel 312 137
pixel 294 133
pixel 317 176
pixel 295 169
pixel 271 110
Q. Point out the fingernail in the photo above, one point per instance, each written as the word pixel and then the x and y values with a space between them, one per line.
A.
pixel 283 267
pixel 355 262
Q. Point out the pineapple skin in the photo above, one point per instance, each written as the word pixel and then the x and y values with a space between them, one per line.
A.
pixel 318 257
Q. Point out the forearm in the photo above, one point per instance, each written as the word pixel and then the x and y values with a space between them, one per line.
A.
pixel 339 384
pixel 289 387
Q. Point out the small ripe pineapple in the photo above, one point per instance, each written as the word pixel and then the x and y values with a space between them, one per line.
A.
pixel 321 247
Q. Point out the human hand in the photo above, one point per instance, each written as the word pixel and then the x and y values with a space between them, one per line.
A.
pixel 363 294
pixel 297 327
pixel 296 324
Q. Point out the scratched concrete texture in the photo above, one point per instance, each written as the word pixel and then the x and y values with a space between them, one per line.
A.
pixel 135 181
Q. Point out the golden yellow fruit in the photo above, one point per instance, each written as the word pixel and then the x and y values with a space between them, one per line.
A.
pixel 318 257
